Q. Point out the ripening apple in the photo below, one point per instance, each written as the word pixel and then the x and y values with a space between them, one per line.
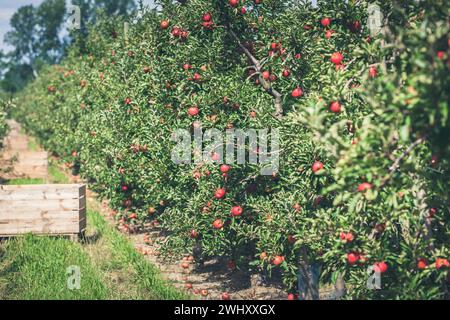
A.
pixel 421 264
pixel 335 107
pixel 225 296
pixel 236 211
pixel 176 31
pixel 194 234
pixel 373 72
pixel 352 258
pixel 164 24
pixel 317 166
pixel 297 92
pixel 325 22
pixel 197 77
pixel 193 111
pixel 220 193
pixel 218 224
pixel 278 260
pixel 207 17
pixel 364 186
pixel 133 216
pixel 380 267
pixel 233 3
pixel 440 262
pixel 337 58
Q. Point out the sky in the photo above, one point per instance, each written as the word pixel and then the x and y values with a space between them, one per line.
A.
pixel 7 9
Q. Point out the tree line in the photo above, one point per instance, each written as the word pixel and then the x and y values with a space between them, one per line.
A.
pixel 38 36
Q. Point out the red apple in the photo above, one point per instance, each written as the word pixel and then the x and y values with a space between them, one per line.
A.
pixel 297 93
pixel 197 77
pixel 286 73
pixel 337 58
pixel 317 166
pixel 193 111
pixel 133 216
pixel 220 193
pixel 335 107
pixel 364 186
pixel 194 234
pixel 373 71
pixel 441 263
pixel 352 258
pixel 218 224
pixel 207 17
pixel 421 264
pixel 164 24
pixel 176 31
pixel 325 22
pixel 233 3
pixel 278 260
pixel 236 211
pixel 225 296
pixel 380 267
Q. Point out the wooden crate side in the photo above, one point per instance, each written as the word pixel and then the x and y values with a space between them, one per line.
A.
pixel 35 194
pixel 18 206
pixel 40 215
pixel 42 209
pixel 47 187
pixel 25 227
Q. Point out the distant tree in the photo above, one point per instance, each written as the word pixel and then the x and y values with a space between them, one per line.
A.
pixel 22 37
pixel 89 14
pixel 35 39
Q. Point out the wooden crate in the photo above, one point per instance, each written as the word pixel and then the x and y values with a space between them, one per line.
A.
pixel 42 210
pixel 29 164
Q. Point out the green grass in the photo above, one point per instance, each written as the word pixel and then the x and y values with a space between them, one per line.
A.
pixel 25 181
pixel 141 273
pixel 35 268
pixel 55 174
pixel 33 145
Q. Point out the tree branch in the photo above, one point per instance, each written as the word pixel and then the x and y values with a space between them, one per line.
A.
pixel 265 84
pixel 397 162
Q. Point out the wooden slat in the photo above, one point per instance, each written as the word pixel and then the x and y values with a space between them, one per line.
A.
pixel 17 206
pixel 48 228
pixel 38 195
pixel 47 187
pixel 40 215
